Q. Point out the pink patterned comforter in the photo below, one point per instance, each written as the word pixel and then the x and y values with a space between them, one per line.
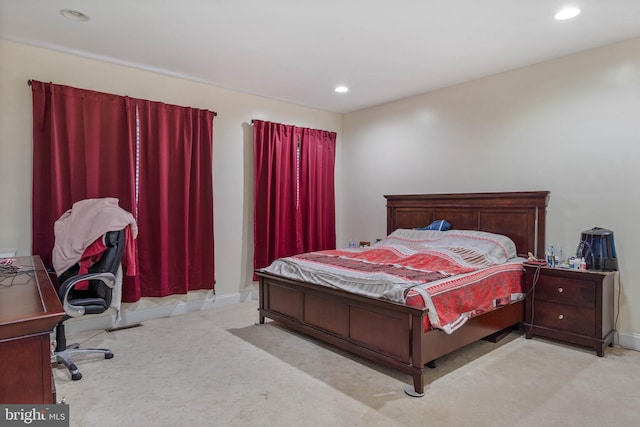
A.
pixel 456 274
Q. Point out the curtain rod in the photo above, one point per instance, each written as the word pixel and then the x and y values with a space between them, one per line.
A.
pixel 214 113
pixel 297 127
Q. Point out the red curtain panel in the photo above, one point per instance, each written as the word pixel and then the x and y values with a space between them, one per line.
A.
pixel 294 195
pixel 83 147
pixel 317 189
pixel 175 219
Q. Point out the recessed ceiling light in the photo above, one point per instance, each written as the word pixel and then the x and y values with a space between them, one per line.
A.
pixel 341 89
pixel 567 13
pixel 74 15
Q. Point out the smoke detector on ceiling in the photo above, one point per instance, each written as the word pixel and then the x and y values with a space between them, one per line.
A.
pixel 74 15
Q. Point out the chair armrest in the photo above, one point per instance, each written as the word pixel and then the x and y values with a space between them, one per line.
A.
pixel 75 310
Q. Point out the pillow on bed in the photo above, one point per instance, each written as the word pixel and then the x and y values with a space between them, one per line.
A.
pixel 439 224
pixel 497 248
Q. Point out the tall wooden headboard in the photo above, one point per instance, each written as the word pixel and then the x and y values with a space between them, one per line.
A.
pixel 518 215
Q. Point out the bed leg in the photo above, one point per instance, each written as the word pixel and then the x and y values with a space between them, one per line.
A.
pixel 260 319
pixel 418 385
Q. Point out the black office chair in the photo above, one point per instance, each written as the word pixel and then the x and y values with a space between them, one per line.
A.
pixel 94 300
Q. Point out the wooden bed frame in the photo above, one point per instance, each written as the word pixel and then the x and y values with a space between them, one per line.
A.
pixel 393 334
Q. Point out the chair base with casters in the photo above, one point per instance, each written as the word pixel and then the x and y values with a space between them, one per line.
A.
pixel 63 352
pixel 93 297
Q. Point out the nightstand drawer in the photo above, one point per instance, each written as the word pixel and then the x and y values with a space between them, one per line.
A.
pixel 566 291
pixel 577 320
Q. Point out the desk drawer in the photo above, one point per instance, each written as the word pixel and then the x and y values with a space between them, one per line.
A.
pixel 578 320
pixel 566 291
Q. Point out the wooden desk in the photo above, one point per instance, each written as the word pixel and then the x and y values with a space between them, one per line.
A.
pixel 29 311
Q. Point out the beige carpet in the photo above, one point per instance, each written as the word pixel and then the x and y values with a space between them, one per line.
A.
pixel 217 368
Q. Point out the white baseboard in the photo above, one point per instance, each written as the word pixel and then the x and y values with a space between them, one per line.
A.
pixel 8 252
pixel 628 340
pixel 139 315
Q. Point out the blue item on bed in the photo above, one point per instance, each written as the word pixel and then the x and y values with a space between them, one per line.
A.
pixel 439 224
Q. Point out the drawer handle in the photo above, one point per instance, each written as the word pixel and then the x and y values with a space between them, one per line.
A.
pixel 561 316
pixel 560 290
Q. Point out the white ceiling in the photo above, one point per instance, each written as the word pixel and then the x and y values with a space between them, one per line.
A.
pixel 299 50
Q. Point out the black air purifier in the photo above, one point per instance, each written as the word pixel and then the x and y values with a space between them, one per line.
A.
pixel 598 249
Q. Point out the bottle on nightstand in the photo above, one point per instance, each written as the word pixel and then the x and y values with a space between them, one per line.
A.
pixel 548 255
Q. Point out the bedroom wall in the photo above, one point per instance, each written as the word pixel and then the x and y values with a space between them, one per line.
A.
pixel 232 152
pixel 570 126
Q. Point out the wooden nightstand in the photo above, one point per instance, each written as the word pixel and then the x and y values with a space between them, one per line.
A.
pixel 574 306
